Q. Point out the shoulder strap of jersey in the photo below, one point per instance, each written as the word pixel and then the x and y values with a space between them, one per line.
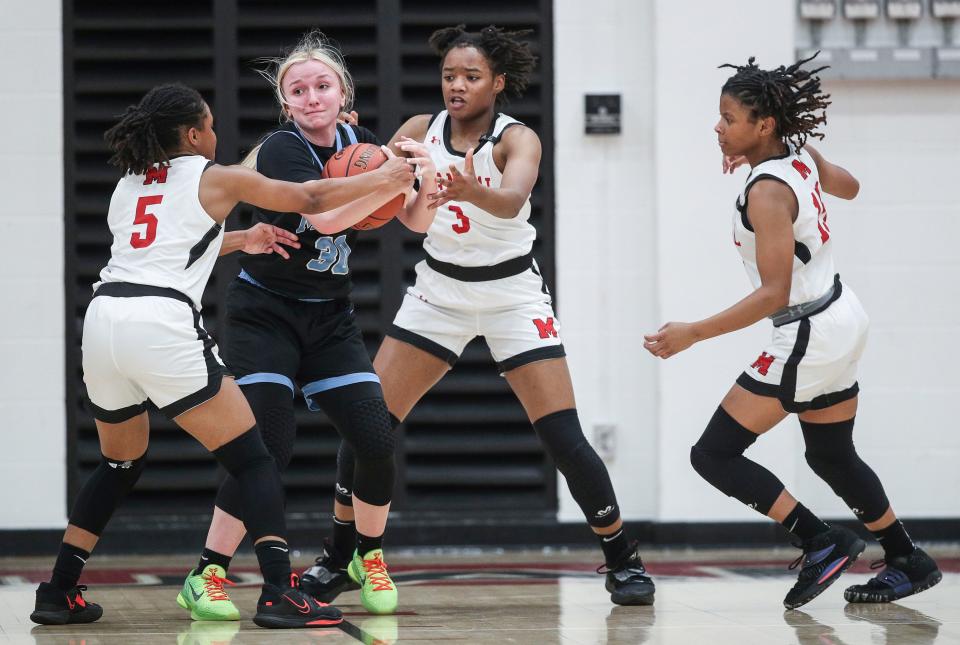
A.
pixel 494 135
pixel 433 118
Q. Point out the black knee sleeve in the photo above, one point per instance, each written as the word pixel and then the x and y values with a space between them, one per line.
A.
pixel 261 491
pixel 272 407
pixel 581 466
pixel 718 458
pixel 103 492
pixel 832 456
pixel 346 466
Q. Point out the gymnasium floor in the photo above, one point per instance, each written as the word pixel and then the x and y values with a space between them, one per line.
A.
pixel 703 597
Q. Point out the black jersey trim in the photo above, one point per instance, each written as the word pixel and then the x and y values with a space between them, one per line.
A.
pixel 506 269
pixel 422 343
pixel 201 247
pixel 215 374
pixel 115 416
pixel 487 136
pixel 433 117
pixel 802 252
pixel 746 195
pixel 133 290
pixel 821 402
pixel 531 356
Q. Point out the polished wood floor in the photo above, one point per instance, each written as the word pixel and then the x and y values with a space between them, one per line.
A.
pixel 703 598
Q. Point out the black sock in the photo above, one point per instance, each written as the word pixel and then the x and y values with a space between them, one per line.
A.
pixel 894 540
pixel 804 524
pixel 344 538
pixel 366 544
pixel 274 559
pixel 212 557
pixel 68 567
pixel 614 547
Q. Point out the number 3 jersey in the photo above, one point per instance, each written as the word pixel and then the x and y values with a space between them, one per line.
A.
pixel 462 233
pixel 162 236
pixel 813 268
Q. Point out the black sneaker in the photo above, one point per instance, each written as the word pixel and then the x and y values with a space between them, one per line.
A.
pixel 904 575
pixel 290 608
pixel 628 582
pixel 57 607
pixel 824 558
pixel 328 577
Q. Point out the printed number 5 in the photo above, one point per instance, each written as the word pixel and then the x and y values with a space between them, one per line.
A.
pixel 463 222
pixel 138 241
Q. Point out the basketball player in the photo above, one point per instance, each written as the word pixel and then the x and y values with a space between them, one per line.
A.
pixel 143 338
pixel 480 279
pixel 292 327
pixel 820 330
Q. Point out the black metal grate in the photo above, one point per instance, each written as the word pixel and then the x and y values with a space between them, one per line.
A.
pixel 467 446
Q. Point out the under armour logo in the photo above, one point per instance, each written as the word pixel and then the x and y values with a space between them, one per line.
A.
pixel 434 140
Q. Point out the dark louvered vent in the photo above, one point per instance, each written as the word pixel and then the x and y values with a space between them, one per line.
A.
pixel 467 446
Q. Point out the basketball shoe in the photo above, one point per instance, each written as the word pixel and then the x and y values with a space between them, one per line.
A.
pixel 290 607
pixel 627 581
pixel 328 577
pixel 824 558
pixel 378 594
pixel 205 598
pixel 57 607
pixel 904 575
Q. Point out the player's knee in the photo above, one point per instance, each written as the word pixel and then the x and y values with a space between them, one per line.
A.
pixel 273 408
pixel 370 430
pixel 109 484
pixel 829 448
pixel 244 453
pixel 561 436
pixel 723 440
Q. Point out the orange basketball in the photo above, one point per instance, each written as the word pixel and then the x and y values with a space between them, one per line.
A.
pixel 354 160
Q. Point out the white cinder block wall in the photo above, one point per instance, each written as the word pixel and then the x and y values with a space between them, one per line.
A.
pixel 643 236
pixel 32 411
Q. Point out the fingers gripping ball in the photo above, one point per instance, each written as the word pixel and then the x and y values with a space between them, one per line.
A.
pixel 356 159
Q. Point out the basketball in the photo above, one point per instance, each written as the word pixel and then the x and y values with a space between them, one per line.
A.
pixel 354 160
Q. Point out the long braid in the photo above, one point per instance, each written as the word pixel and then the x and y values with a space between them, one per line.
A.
pixel 504 51
pixel 149 131
pixel 791 95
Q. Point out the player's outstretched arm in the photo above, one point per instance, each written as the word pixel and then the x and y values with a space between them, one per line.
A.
pixel 418 211
pixel 771 209
pixel 834 179
pixel 260 238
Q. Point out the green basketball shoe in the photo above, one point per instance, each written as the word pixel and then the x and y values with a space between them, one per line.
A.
pixel 204 597
pixel 378 594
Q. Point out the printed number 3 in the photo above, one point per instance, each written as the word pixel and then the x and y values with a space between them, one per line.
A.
pixel 333 253
pixel 463 222
pixel 137 240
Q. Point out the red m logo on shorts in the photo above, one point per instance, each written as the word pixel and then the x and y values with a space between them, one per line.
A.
pixel 763 363
pixel 545 327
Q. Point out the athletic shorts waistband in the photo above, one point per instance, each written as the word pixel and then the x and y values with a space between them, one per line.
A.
pixel 793 313
pixel 133 290
pixel 506 269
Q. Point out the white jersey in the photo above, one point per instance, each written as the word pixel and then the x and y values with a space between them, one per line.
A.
pixel 462 233
pixel 813 268
pixel 162 236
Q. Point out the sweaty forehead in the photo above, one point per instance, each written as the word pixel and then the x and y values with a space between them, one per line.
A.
pixel 466 58
pixel 309 70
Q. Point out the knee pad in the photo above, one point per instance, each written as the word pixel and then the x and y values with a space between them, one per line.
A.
pixel 718 458
pixel 830 453
pixel 273 408
pixel 346 463
pixel 109 484
pixel 369 431
pixel 261 490
pixel 581 466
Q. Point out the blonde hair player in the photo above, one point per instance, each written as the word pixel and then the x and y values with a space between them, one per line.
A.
pixel 293 328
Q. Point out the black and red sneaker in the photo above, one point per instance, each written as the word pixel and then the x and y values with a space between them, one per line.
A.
pixel 58 607
pixel 290 608
pixel 824 558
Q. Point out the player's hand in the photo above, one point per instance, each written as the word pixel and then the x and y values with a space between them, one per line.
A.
pixel 732 163
pixel 672 338
pixel 397 170
pixel 456 186
pixel 418 156
pixel 265 238
pixel 351 117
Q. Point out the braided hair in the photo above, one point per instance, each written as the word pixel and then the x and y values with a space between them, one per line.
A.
pixel 148 131
pixel 790 95
pixel 504 51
